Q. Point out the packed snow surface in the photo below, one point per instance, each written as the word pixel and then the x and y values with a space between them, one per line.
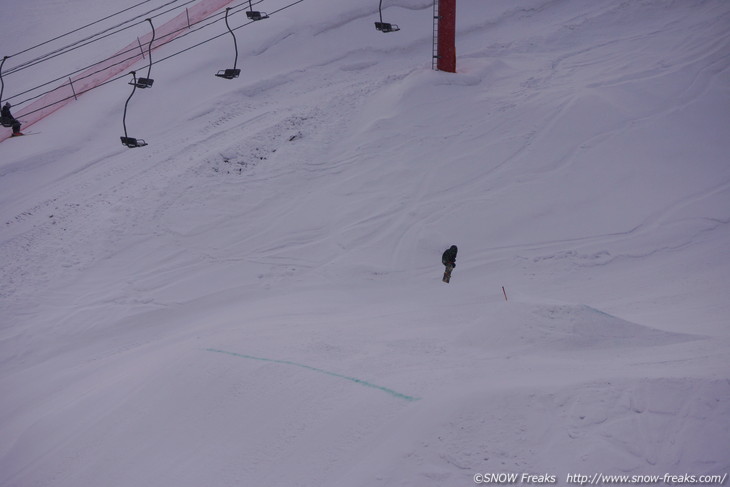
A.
pixel 255 298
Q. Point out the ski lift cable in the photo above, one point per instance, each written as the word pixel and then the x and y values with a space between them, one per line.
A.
pixel 225 33
pixel 77 94
pixel 116 78
pixel 191 31
pixel 89 75
pixel 127 59
pixel 133 49
pixel 234 10
pixel 91 39
pixel 78 44
pixel 78 29
pixel 85 68
pixel 96 37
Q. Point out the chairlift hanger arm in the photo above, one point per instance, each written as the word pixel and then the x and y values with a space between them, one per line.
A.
pixel 149 48
pixel 2 83
pixel 235 43
pixel 134 88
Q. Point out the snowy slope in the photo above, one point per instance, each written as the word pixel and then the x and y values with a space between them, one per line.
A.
pixel 255 297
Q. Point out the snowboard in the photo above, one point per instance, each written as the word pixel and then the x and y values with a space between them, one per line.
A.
pixel 447 274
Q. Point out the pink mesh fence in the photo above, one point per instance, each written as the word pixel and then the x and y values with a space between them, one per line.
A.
pixel 116 64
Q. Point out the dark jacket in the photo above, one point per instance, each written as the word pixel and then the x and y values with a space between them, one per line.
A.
pixel 8 120
pixel 5 113
pixel 449 256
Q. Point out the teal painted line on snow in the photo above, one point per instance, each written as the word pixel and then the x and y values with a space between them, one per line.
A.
pixel 321 371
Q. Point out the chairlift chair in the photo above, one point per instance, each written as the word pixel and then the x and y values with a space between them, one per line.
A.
pixel 131 142
pixel 254 14
pixel 142 83
pixel 384 27
pixel 228 73
pixel 233 72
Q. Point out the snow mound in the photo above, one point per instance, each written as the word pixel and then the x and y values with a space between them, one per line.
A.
pixel 609 426
pixel 564 327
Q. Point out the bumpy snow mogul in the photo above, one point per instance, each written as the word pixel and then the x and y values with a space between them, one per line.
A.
pixel 449 260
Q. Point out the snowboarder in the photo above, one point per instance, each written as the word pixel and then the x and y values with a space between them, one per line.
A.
pixel 7 120
pixel 449 260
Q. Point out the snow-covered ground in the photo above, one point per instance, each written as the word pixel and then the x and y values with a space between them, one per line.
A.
pixel 255 298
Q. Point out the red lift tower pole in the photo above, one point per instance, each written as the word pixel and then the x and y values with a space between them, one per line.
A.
pixel 446 50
